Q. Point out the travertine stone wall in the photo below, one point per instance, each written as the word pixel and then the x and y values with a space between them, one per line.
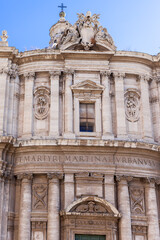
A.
pixel 56 181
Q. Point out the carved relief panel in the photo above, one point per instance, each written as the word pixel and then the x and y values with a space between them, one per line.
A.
pixel 38 230
pixel 42 102
pixel 132 105
pixel 39 200
pixel 39 194
pixel 41 110
pixel 137 200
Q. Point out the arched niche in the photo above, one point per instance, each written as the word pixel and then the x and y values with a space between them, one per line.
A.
pixel 90 215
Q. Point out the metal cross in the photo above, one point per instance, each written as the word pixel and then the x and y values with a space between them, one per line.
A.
pixel 62 7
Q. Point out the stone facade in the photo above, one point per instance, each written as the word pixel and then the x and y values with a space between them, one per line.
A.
pixel 79 138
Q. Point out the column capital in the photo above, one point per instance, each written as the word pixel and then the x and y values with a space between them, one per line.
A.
pixel 106 73
pixel 54 176
pixel 151 181
pixel 123 179
pixel 55 73
pixel 68 71
pixel 144 77
pixel 26 176
pixel 29 75
pixel 119 74
pixel 4 70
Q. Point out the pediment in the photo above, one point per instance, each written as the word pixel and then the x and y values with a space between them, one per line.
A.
pixel 86 86
pixel 91 206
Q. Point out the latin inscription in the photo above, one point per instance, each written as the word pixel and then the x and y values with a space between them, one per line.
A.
pixel 101 159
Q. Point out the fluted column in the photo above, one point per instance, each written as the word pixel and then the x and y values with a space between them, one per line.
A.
pixel 106 106
pixel 28 105
pixel 68 105
pixel 145 107
pixel 3 91
pixel 120 108
pixel 68 189
pixel 25 207
pixel 110 189
pixel 54 104
pixel 152 210
pixel 125 231
pixel 53 231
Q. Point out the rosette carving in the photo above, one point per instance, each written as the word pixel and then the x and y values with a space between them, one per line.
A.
pixel 41 102
pixel 132 105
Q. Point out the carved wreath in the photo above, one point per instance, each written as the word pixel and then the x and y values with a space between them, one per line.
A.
pixel 41 102
pixel 132 105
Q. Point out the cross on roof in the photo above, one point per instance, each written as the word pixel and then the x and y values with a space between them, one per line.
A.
pixel 62 7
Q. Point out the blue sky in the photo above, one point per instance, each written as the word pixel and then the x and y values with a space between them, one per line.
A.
pixel 133 24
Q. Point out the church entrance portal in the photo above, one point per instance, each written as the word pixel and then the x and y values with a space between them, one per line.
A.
pixel 89 237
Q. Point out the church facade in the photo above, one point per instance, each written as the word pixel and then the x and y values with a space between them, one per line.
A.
pixel 79 138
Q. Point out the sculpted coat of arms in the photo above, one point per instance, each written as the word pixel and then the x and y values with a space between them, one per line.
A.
pixel 84 34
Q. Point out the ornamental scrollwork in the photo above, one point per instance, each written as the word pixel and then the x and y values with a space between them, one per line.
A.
pixel 90 207
pixel 132 105
pixel 41 102
pixel 137 200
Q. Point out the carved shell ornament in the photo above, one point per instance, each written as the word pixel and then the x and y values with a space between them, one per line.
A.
pixel 132 105
pixel 41 102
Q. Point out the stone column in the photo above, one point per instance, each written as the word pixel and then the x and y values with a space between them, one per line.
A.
pixel 106 106
pixel 54 104
pixel 68 106
pixel 25 207
pixel 145 108
pixel 1 201
pixel 110 189
pixel 53 231
pixel 120 108
pixel 3 90
pixel 152 210
pixel 28 105
pixel 68 189
pixel 125 231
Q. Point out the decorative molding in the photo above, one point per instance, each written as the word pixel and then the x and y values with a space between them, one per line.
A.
pixel 132 105
pixel 139 229
pixel 90 207
pixel 41 102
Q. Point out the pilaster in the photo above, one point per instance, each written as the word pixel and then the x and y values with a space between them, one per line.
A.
pixel 54 104
pixel 120 108
pixel 68 189
pixel 110 189
pixel 28 105
pixel 3 93
pixel 68 105
pixel 106 106
pixel 145 108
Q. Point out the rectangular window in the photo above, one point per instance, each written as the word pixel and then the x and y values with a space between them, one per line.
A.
pixel 87 117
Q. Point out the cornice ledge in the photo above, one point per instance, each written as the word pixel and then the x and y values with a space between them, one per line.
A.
pixel 90 142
